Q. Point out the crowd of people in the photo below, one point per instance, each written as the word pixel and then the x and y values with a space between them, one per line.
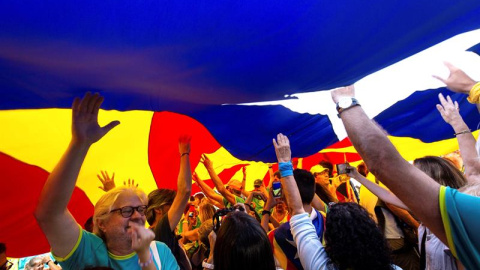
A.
pixel 424 214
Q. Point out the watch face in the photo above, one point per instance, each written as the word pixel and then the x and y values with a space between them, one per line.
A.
pixel 345 102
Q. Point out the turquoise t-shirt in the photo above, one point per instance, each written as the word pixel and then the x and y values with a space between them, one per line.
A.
pixel 237 200
pixel 461 220
pixel 91 251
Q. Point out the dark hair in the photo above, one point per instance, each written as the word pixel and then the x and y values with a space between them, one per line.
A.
pixel 306 185
pixel 441 170
pixel 3 248
pixel 324 194
pixel 329 165
pixel 353 240
pixel 242 244
pixel 156 199
pixel 362 169
pixel 89 224
pixel 277 174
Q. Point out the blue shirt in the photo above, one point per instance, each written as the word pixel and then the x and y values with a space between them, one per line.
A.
pixel 461 220
pixel 91 251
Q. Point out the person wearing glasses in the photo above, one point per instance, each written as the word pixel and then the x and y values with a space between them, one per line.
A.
pixel 120 239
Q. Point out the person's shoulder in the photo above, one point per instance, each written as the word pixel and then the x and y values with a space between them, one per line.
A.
pixel 162 246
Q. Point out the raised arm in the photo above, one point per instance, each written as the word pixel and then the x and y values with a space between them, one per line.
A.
pixel 457 81
pixel 108 182
pixel 449 111
pixel 52 215
pixel 379 191
pixel 184 183
pixel 289 186
pixel 216 180
pixel 413 187
pixel 209 192
pixel 244 181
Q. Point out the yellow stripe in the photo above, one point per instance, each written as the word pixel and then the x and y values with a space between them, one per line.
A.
pixel 279 255
pixel 446 220
pixel 411 148
pixel 80 235
pixel 124 257
pixel 39 137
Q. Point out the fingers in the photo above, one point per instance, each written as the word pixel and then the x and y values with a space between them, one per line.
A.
pixel 440 110
pixel 275 143
pixel 442 99
pixel 450 66
pixel 110 126
pixel 75 106
pixel 456 106
pixel 444 81
pixel 83 107
pixel 96 104
pixel 92 103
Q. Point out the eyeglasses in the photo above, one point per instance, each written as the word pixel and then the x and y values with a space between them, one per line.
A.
pixel 7 265
pixel 127 211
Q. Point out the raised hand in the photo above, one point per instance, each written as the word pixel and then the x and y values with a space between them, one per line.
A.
pixel 130 183
pixel 195 177
pixel 184 144
pixel 347 91
pixel 282 148
pixel 107 182
pixel 85 128
pixel 353 172
pixel 206 162
pixel 458 81
pixel 271 201
pixel 448 109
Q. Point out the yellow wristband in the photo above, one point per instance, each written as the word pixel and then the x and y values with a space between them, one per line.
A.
pixel 474 96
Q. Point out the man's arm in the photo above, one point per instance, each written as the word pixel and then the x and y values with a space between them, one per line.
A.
pixel 53 217
pixel 413 187
pixel 458 81
pixel 184 183
pixel 289 186
pixel 449 111
pixel 216 180
pixel 209 192
pixel 244 181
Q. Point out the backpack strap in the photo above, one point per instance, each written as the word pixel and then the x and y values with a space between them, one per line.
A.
pixel 423 258
pixel 154 251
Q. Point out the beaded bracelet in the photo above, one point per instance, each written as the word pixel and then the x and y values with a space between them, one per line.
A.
pixel 145 264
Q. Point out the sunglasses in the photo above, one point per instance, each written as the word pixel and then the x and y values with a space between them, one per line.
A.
pixel 127 211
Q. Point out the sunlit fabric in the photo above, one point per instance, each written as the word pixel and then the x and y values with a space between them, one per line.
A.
pixel 167 68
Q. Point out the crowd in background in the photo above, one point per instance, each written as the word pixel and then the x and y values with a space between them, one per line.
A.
pixel 404 216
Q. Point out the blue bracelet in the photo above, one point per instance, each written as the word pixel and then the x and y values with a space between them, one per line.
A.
pixel 286 168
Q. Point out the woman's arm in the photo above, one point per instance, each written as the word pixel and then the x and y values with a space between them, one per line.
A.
pixel 379 191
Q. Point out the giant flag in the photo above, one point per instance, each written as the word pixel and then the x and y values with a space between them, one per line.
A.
pixel 172 67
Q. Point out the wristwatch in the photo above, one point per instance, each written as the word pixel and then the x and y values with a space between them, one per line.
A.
pixel 346 103
pixel 207 265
